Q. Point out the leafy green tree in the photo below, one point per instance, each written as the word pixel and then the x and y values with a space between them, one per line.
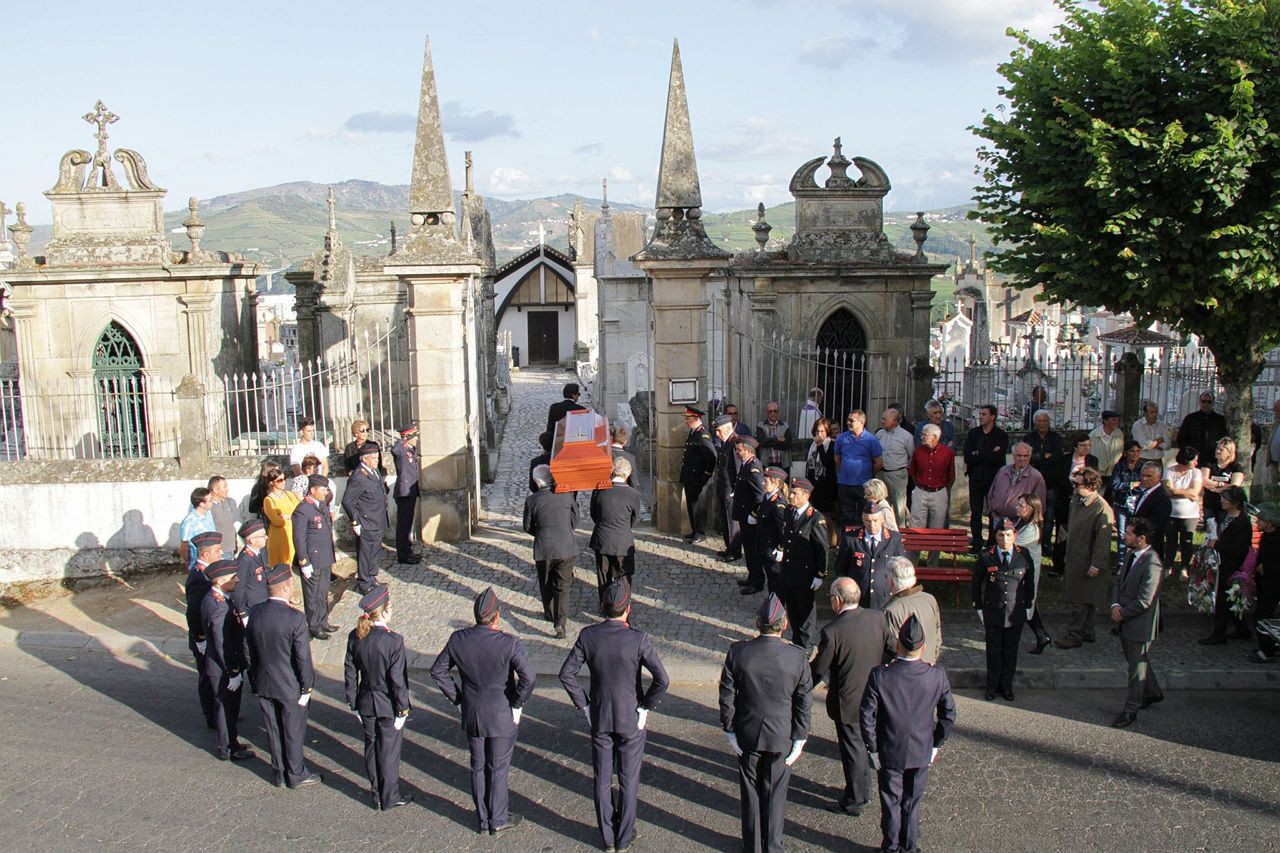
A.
pixel 1136 166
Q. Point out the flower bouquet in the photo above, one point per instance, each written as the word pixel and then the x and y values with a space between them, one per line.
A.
pixel 1203 579
pixel 1241 593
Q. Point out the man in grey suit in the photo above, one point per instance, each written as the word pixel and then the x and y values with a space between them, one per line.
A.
pixel 550 518
pixel 405 453
pixel 614 511
pixel 849 648
pixel 1136 609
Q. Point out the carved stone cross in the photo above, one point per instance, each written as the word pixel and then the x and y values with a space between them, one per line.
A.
pixel 101 116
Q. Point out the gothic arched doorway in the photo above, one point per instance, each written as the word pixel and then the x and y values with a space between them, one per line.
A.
pixel 842 366
pixel 120 394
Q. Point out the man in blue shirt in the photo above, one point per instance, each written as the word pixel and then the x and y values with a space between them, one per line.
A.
pixel 199 519
pixel 857 455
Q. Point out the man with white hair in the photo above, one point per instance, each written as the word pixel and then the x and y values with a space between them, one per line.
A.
pixel 908 598
pixel 933 468
pixel 935 413
pixel 551 517
pixel 1014 480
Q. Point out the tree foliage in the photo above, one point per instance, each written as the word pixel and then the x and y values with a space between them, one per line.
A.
pixel 1137 166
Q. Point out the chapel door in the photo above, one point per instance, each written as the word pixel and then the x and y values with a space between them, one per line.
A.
pixel 544 337
pixel 842 368
pixel 120 394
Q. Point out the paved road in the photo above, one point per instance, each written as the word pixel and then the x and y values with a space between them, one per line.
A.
pixel 106 752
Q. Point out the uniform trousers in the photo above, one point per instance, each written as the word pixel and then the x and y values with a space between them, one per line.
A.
pixel 226 713
pixel 203 689
pixel 1002 656
pixel 406 507
pixel 612 753
pixel 763 778
pixel 900 794
pixel 286 725
pixel 382 758
pixel 691 495
pixel 929 509
pixel 773 575
pixel 490 765
pixel 315 597
pixel 367 555
pixel 554 579
pixel 730 530
pixel 612 567
pixel 855 763
pixel 800 613
pixel 978 532
pixel 1143 684
pixel 751 550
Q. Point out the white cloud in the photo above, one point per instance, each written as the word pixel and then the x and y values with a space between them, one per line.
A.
pixel 756 138
pixel 832 52
pixel 621 173
pixel 505 181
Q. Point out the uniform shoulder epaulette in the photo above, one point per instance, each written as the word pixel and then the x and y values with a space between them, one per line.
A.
pixel 849 528
pixel 754 470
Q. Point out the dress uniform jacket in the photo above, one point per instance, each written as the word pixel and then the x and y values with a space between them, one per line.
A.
pixel 699 460
pixel 550 517
pixel 727 465
pixel 748 490
pixel 197 587
pixel 225 653
pixel 868 566
pixel 615 653
pixel 849 648
pixel 771 522
pixel 898 712
pixel 614 512
pixel 365 500
pixel 313 535
pixel 279 652
pixel 1003 595
pixel 408 467
pixel 376 673
pixel 805 543
pixel 766 694
pixel 251 583
pixel 495 675
pixel 1136 592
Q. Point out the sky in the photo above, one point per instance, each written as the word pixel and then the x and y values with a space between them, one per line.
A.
pixel 551 97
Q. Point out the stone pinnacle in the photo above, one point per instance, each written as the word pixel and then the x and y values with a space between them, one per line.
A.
pixel 678 172
pixel 430 190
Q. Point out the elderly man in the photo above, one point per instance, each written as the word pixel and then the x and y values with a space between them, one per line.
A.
pixel 984 450
pixel 858 457
pixel 1153 503
pixel 727 465
pixel 365 503
pixel 933 469
pixel 697 464
pixel 1151 433
pixel 848 649
pixel 897 445
pixel 550 518
pixel 934 413
pixel 748 493
pixel 906 599
pixel 774 436
pixel 1107 441
pixel 1014 480
pixel 614 511
pixel 810 412
pixel 1047 450
pixel 1088 556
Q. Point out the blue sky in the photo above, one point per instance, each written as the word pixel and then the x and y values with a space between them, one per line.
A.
pixel 227 96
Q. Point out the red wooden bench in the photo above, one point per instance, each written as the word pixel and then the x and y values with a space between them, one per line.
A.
pixel 953 541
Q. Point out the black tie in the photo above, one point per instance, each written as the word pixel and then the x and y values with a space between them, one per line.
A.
pixel 1004 560
pixel 1128 563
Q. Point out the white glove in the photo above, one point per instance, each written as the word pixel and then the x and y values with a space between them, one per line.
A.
pixel 733 743
pixel 777 555
pixel 643 718
pixel 304 699
pixel 932 755
pixel 981 621
pixel 797 746
pixel 308 570
pixel 399 723
pixel 817 582
pixel 1030 610
pixel 234 682
pixel 244 620
pixel 586 712
pixel 359 716
pixel 875 759
pixel 201 645
pixel 516 713
pixel 356 528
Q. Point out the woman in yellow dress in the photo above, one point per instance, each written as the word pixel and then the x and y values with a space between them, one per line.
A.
pixel 278 507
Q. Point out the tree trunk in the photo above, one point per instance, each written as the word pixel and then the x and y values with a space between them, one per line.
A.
pixel 1237 371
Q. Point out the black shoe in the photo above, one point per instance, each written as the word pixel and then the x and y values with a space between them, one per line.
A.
pixel 313 779
pixel 1124 720
pixel 334 578
pixel 1042 644
pixel 731 558
pixel 1089 639
pixel 724 552
pixel 841 807
pixel 751 590
pixel 240 753
pixel 1213 641
pixel 411 560
pixel 512 822
pixel 319 635
pixel 743 582
pixel 1147 703
pixel 547 617
pixel 1242 634
pixel 1115 631
pixel 990 695
pixel 403 801
pixel 1007 694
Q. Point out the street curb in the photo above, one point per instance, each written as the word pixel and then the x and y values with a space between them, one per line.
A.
pixel 1262 678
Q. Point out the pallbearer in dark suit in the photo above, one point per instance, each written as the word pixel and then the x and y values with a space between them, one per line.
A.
pixel 208 547
pixel 851 645
pixel 251 570
pixel 907 712
pixel 365 503
pixel 551 517
pixel 313 549
pixel 1004 589
pixel 804 563
pixel 377 685
pixel 748 493
pixel 408 466
pixel 617 709
pixel 765 706
pixel 497 681
pixel 1136 609
pixel 280 673
pixel 771 524
pixel 864 556
pixel 224 660
pixel 614 512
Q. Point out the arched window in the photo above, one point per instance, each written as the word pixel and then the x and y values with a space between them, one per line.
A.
pixel 842 366
pixel 121 396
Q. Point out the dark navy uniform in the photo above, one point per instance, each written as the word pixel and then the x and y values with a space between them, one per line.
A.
pixel 251 583
pixel 615 653
pixel 748 492
pixel 868 563
pixel 765 702
pixel 224 660
pixel 550 518
pixel 280 673
pixel 377 688
pixel 907 712
pixel 771 522
pixel 614 512
pixel 408 467
pixel 365 503
pixel 313 547
pixel 1003 591
pixel 197 587
pixel 805 542
pixel 496 678
pixel 727 467
pixel 696 467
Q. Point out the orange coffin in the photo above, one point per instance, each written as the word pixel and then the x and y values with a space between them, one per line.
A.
pixel 580 456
